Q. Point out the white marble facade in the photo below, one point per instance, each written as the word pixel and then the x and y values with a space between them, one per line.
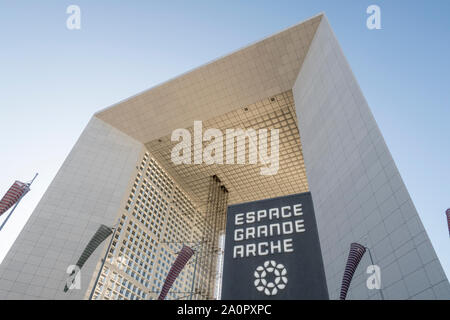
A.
pixel 357 190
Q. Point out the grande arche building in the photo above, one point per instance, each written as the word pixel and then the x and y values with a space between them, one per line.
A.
pixel 120 173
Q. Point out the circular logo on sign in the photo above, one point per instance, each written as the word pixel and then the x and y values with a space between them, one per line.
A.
pixel 273 270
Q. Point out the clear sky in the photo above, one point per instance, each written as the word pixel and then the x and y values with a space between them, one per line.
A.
pixel 53 79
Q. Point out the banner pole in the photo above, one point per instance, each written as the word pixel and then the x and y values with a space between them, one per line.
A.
pixel 104 260
pixel 193 276
pixel 17 203
pixel 10 213
pixel 29 184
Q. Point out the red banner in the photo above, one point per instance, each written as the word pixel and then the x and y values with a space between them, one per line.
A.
pixel 448 219
pixel 356 253
pixel 17 191
pixel 183 257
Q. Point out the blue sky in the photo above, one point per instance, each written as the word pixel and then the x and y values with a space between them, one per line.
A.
pixel 52 79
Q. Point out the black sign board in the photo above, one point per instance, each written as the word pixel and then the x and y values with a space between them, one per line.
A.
pixel 272 251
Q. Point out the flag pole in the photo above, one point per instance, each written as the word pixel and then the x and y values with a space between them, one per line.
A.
pixel 17 203
pixel 195 269
pixel 32 180
pixel 104 260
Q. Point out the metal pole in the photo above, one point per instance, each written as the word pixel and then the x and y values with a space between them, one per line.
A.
pixel 29 184
pixel 371 260
pixel 103 262
pixel 193 277
pixel 10 213
pixel 17 203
